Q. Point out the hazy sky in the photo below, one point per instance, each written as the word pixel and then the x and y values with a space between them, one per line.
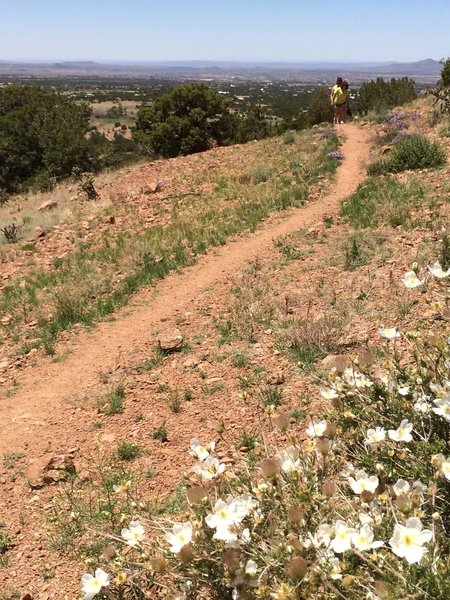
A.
pixel 286 30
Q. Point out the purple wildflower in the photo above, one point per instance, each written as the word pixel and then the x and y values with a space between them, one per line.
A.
pixel 336 154
pixel 326 135
pixel 401 135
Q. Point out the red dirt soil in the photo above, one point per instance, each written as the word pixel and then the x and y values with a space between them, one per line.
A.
pixel 48 412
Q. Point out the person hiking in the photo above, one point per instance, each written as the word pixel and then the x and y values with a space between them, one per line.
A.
pixel 347 111
pixel 338 101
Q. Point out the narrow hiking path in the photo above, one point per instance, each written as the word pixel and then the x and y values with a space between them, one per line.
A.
pixel 40 415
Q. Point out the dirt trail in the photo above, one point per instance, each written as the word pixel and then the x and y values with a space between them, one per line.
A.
pixel 39 416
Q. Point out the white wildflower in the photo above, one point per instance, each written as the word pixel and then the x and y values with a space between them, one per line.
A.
pixel 362 482
pixel 290 460
pixel 251 568
pixel 401 488
pixel 373 436
pixel 199 451
pixel 134 534
pixel 363 539
pixel 403 433
pixel 316 429
pixel 445 468
pixel 421 406
pixel 180 536
pixel 210 469
pixel 342 537
pixel 335 570
pixel 443 407
pixel 411 280
pixel 356 379
pixel 91 585
pixel 408 540
pixel 228 514
pixel 328 393
pixel 403 390
pixel 390 333
pixel 322 537
pixel 365 519
pixel 437 271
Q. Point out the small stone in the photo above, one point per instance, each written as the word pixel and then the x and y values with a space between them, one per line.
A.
pixel 276 378
pixel 38 233
pixel 48 205
pixel 170 340
pixel 153 187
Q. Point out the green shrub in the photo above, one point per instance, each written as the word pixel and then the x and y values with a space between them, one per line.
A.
pixel 413 152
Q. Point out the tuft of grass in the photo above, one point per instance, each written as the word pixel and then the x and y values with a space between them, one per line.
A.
pixel 152 363
pixel 354 256
pixel 309 339
pixel 128 451
pixel 271 396
pixel 288 251
pixel 298 415
pixel 239 360
pixel 175 503
pixel 10 459
pixel 160 434
pixel 247 440
pixel 112 403
pixel 445 252
pixel 384 200
pixel 5 540
pixel 175 402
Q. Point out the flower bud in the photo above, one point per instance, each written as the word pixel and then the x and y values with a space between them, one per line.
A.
pixel 330 431
pixel 329 488
pixel 282 421
pixel 339 363
pixel 347 580
pixel 158 564
pixel 365 357
pixel 293 544
pixel 109 552
pixel 186 554
pixel 231 559
pixel 296 514
pixel 336 403
pixel 297 568
pixel 270 467
pixel 403 503
pixel 367 496
pixel 323 446
pixel 196 494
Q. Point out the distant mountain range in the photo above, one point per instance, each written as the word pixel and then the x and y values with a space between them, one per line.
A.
pixel 427 70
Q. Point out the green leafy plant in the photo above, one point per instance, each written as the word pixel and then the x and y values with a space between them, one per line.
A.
pixel 412 152
pixel 160 434
pixel 128 451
